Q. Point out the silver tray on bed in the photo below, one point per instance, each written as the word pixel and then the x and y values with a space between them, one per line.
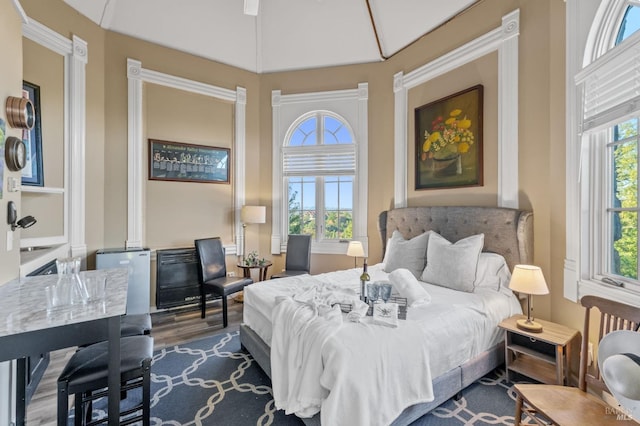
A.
pixel 400 301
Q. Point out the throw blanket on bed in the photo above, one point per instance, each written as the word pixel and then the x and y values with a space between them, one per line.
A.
pixel 320 362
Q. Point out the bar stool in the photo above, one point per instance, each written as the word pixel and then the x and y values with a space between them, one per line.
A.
pixel 86 377
pixel 135 325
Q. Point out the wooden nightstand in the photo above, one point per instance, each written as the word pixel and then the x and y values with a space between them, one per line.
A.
pixel 545 356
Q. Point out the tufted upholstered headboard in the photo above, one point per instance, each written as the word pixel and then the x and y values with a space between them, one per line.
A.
pixel 508 232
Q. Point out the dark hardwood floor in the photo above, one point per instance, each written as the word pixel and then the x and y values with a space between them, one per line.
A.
pixel 170 327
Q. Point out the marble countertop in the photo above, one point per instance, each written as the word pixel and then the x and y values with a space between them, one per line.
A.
pixel 23 303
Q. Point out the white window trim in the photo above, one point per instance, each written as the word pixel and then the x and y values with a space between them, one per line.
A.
pixel 136 76
pixel 286 109
pixel 589 31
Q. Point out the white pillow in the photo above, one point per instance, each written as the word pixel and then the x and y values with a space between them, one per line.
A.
pixel 492 271
pixel 408 286
pixel 453 265
pixel 409 254
pixel 386 252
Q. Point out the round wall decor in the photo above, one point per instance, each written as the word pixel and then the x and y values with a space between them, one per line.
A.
pixel 15 154
pixel 20 113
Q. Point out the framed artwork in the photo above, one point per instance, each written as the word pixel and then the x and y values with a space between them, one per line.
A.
pixel 32 173
pixel 187 162
pixel 449 141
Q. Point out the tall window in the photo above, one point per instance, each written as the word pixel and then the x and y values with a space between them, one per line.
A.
pixel 319 168
pixel 606 191
pixel 621 219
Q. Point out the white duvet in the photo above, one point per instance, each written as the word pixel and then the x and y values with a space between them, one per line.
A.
pixel 362 373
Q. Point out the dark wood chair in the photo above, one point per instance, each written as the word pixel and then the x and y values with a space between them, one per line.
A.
pixel 298 260
pixel 564 405
pixel 213 274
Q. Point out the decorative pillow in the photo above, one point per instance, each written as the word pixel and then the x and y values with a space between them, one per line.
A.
pixel 387 251
pixel 408 286
pixel 492 271
pixel 453 265
pixel 409 254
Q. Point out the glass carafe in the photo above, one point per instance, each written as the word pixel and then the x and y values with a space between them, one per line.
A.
pixel 69 282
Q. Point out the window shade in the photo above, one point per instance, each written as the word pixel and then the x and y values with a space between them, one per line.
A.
pixel 611 85
pixel 321 160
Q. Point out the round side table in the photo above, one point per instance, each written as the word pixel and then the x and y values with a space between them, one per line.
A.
pixel 262 273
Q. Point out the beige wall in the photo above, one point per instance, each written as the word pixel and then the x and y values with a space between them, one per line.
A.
pixel 45 69
pixel 176 213
pixel 482 71
pixel 541 127
pixel 182 211
pixel 10 85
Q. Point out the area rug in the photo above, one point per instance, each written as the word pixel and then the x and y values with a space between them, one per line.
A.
pixel 212 382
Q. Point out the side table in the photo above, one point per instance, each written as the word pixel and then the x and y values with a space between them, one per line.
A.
pixel 544 356
pixel 262 273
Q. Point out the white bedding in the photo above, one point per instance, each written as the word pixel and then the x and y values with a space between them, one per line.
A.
pixel 348 370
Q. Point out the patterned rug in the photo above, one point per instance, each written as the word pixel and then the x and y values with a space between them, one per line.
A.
pixel 212 382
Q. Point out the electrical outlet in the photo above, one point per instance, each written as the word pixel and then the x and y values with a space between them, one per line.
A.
pixel 13 184
pixel 231 274
pixel 590 352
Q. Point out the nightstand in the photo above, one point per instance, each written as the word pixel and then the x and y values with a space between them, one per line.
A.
pixel 545 356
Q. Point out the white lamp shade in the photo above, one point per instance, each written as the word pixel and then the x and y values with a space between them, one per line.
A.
pixel 251 7
pixel 528 279
pixel 253 214
pixel 355 249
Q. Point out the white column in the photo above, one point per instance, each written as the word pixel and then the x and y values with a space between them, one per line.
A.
pixel 135 161
pixel 400 141
pixel 508 173
pixel 278 186
pixel 76 154
pixel 240 163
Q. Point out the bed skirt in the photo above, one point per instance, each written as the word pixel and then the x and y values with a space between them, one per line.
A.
pixel 445 386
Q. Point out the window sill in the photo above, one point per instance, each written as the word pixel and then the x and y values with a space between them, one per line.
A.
pixel 618 294
pixel 328 247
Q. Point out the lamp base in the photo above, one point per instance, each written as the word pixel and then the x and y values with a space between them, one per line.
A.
pixel 530 326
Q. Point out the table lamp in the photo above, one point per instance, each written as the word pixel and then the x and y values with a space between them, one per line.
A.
pixel 248 215
pixel 528 279
pixel 355 250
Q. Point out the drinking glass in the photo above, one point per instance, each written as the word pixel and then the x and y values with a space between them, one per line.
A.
pixel 385 292
pixel 96 284
pixel 373 292
pixel 53 298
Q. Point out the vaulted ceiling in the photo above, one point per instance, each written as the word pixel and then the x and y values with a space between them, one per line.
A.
pixel 285 34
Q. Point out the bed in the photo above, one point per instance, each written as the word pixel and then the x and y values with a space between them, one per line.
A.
pixel 506 232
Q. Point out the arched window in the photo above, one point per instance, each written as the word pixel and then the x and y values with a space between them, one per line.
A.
pixel 606 137
pixel 319 166
pixel 630 22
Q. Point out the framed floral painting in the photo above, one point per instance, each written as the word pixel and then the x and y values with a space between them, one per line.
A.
pixel 449 141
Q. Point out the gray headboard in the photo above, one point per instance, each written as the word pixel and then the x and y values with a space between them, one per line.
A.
pixel 508 232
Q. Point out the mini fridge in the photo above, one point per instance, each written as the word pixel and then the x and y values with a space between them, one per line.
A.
pixel 138 261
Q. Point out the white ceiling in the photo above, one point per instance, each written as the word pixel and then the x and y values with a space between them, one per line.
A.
pixel 286 34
